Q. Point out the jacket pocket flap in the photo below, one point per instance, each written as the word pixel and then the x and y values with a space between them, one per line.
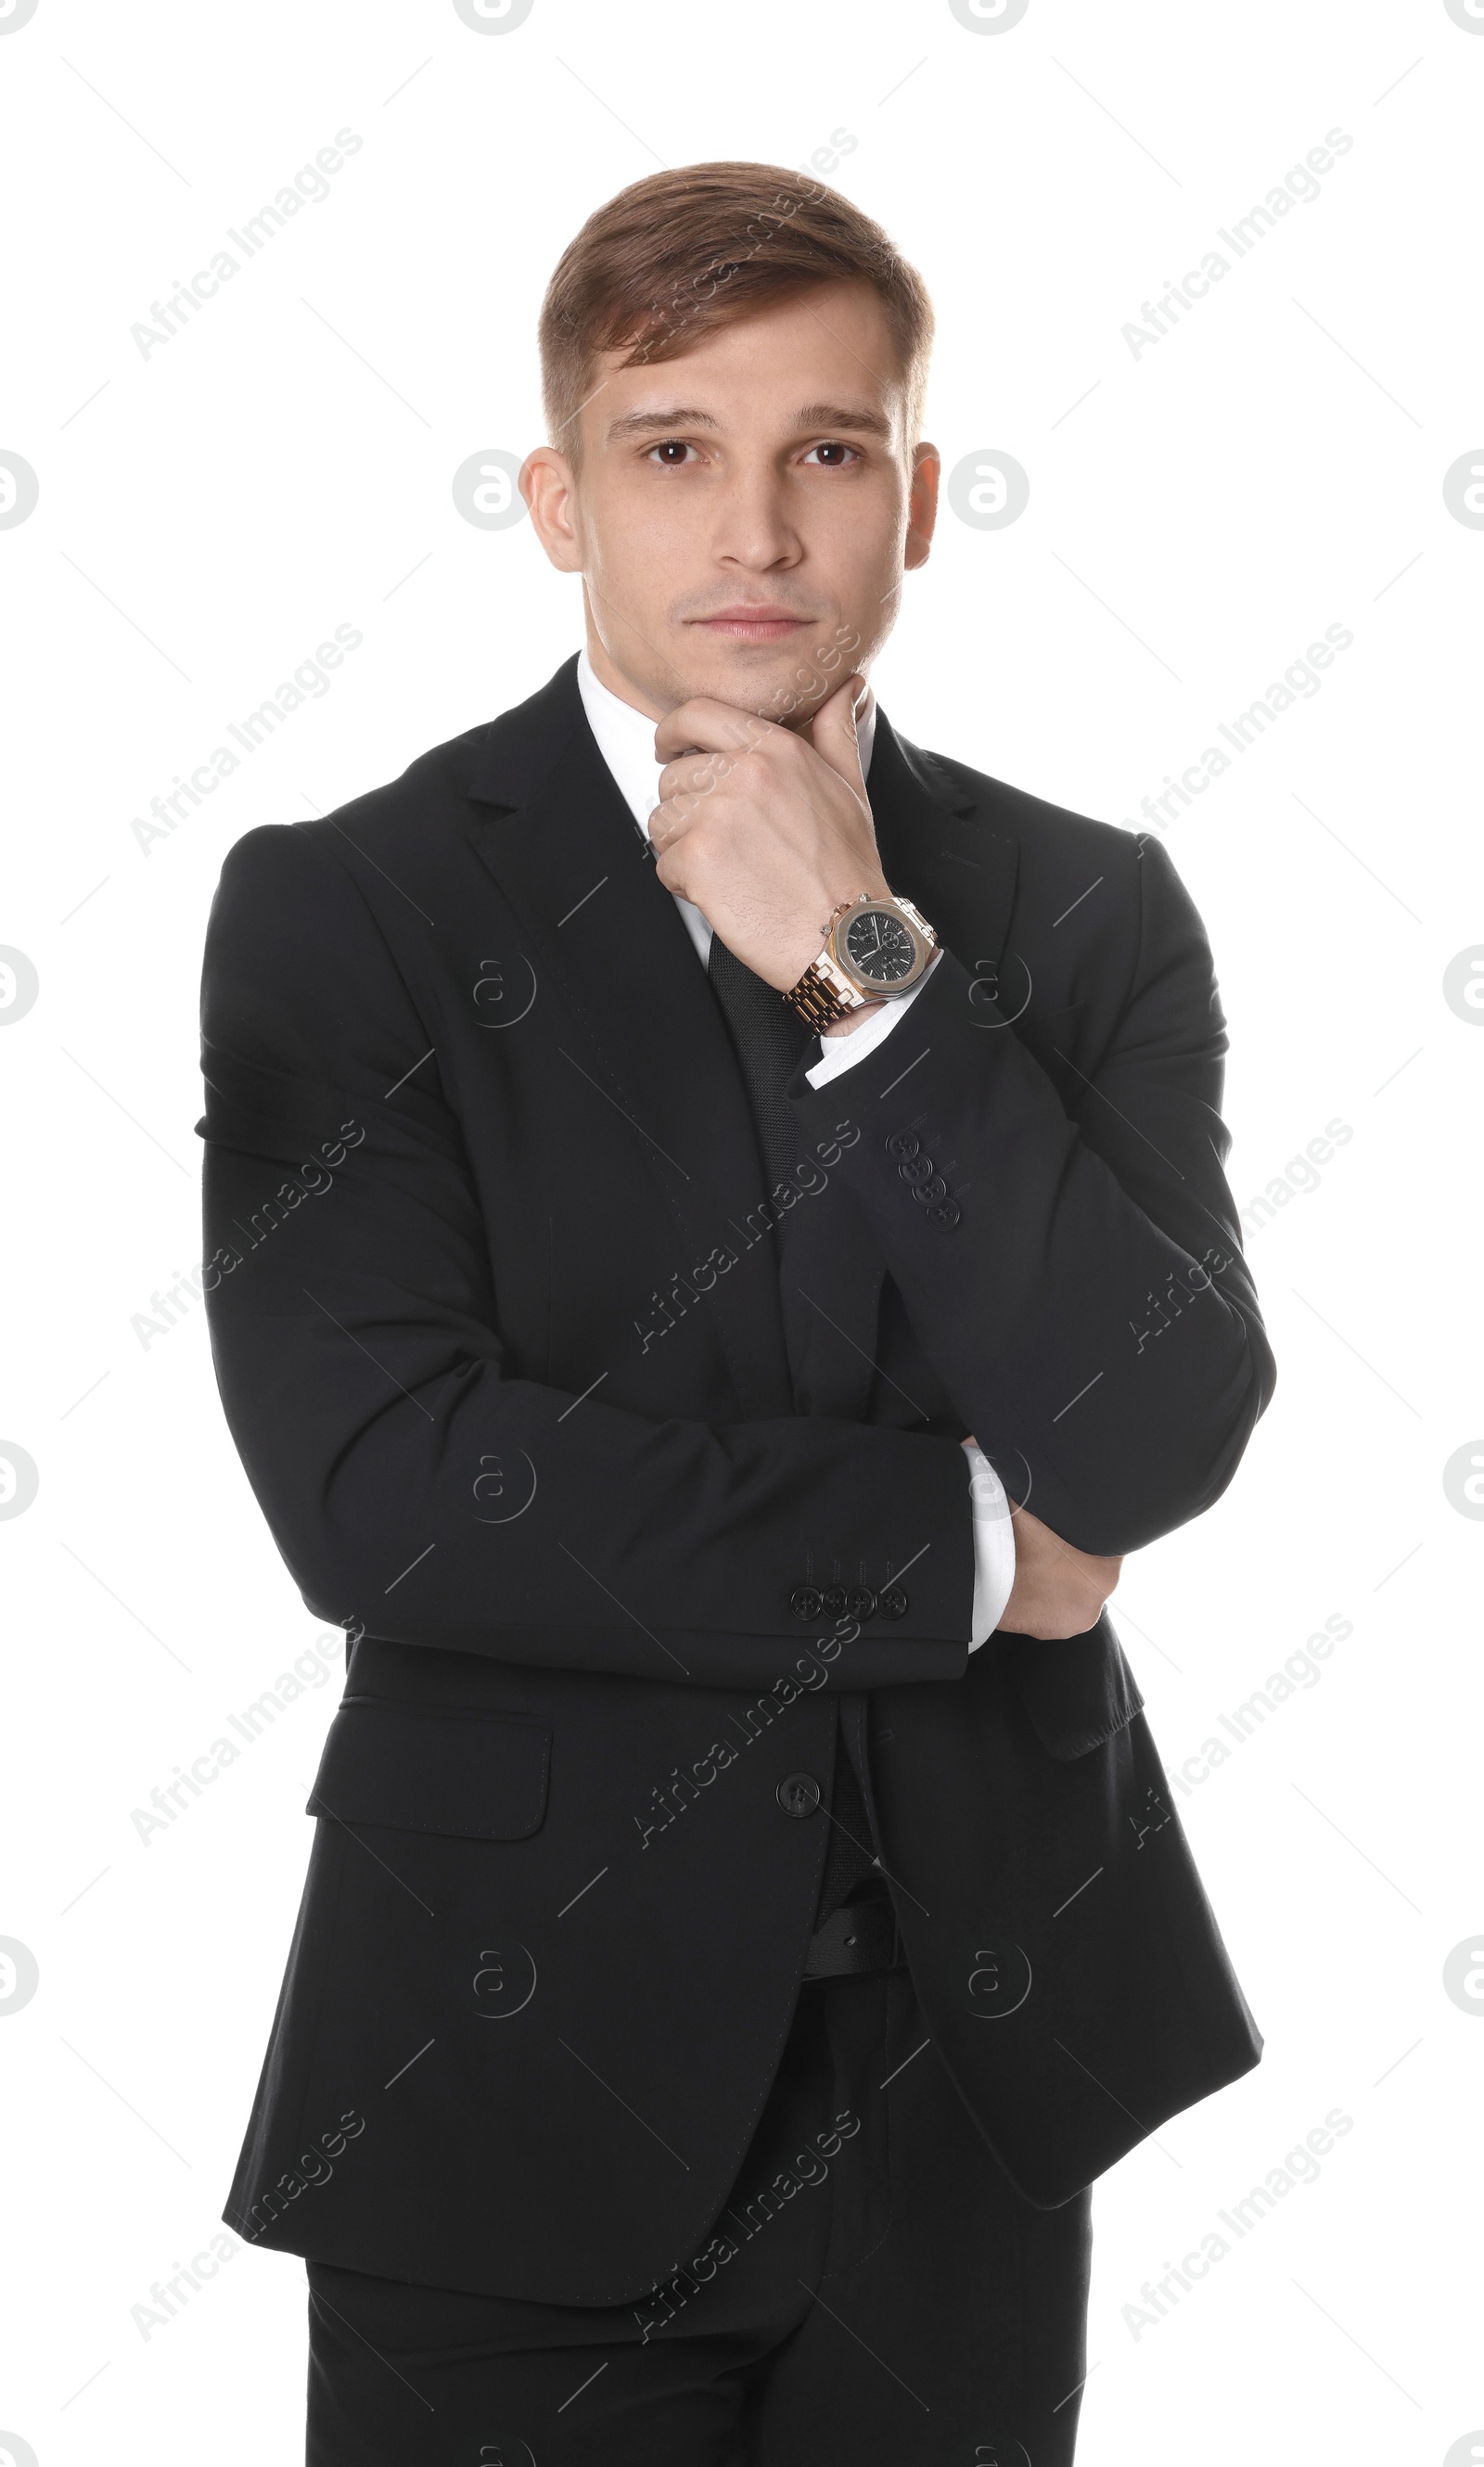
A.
pixel 450 1771
pixel 1078 1691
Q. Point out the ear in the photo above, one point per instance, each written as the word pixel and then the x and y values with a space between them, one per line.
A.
pixel 923 504
pixel 549 492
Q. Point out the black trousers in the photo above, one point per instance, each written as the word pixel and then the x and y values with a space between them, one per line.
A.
pixel 874 2291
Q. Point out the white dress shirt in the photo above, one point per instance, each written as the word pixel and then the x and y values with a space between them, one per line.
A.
pixel 626 740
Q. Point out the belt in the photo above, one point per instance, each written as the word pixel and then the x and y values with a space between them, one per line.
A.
pixel 858 1936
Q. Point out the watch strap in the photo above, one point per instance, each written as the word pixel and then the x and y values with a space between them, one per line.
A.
pixel 824 995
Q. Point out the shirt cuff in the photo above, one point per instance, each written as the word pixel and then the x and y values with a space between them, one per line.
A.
pixel 838 1053
pixel 994 1545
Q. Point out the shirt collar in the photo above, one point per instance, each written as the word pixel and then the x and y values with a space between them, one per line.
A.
pixel 626 741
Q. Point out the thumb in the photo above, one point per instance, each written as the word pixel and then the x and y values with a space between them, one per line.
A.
pixel 833 732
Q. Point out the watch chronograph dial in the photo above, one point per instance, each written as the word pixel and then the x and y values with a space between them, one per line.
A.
pixel 879 947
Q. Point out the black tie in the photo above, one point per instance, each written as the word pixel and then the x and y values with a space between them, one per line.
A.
pixel 770 1039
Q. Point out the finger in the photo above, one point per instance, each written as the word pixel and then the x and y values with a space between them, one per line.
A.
pixel 832 732
pixel 670 820
pixel 695 775
pixel 705 726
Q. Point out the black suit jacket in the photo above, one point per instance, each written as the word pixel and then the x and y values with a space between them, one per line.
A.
pixel 501 1336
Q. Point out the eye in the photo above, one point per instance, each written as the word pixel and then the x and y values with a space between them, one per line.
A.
pixel 832 454
pixel 671 453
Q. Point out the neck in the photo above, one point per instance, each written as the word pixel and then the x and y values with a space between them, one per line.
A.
pixel 609 674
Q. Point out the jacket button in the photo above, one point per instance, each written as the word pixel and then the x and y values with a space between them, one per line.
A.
pixel 903 1143
pixel 892 1602
pixel 798 1793
pixel 805 1601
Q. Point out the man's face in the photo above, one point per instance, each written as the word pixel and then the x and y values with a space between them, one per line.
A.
pixel 745 511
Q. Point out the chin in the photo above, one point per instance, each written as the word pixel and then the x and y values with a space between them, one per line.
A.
pixel 760 678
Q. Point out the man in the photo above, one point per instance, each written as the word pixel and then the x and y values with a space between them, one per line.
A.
pixel 644 1145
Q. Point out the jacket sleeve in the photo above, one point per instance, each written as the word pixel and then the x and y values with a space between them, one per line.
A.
pixel 414 1486
pixel 1063 1236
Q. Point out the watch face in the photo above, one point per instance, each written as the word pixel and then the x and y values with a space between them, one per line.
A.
pixel 878 946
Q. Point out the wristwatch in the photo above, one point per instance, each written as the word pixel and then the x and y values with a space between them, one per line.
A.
pixel 875 949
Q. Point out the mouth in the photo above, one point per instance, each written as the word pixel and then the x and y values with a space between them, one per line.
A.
pixel 752 621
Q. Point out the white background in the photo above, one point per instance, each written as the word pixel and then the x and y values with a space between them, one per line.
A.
pixel 1197 515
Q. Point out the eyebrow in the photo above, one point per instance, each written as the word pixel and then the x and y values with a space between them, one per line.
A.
pixel 834 414
pixel 859 418
pixel 639 423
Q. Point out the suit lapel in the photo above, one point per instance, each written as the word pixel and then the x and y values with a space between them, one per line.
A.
pixel 568 855
pixel 940 851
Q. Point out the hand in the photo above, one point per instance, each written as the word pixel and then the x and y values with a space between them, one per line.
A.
pixel 765 828
pixel 1059 1591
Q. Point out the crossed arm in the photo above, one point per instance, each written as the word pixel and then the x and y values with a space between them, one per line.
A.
pixel 1091 1234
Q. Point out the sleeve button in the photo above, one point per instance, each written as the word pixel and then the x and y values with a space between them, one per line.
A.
pixel 892 1602
pixel 805 1601
pixel 944 1214
pixel 902 1144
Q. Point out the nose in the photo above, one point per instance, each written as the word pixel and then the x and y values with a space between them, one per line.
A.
pixel 754 527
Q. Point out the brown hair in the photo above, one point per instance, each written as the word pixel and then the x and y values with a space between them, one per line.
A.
pixel 681 253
